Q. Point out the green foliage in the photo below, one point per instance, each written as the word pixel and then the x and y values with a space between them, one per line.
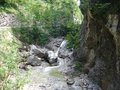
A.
pixel 73 40
pixel 8 8
pixel 84 5
pixel 99 9
pixel 78 65
pixel 9 58
pixel 31 35
pixel 73 37
pixel 54 16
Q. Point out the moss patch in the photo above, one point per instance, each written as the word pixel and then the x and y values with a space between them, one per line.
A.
pixel 56 73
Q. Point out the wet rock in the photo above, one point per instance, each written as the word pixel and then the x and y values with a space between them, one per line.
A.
pixel 39 53
pixel 55 64
pixel 65 53
pixel 45 64
pixel 52 58
pixel 62 55
pixel 70 81
pixel 54 44
pixel 34 60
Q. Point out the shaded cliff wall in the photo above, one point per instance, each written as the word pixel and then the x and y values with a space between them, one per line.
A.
pixel 99 49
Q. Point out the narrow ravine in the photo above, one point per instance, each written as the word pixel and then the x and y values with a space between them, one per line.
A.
pixel 56 73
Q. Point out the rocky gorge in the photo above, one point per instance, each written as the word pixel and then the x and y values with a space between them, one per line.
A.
pixel 99 44
pixel 93 64
pixel 52 68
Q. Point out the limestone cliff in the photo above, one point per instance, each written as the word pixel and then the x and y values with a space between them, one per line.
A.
pixel 99 48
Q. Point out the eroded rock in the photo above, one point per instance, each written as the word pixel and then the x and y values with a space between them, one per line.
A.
pixel 34 61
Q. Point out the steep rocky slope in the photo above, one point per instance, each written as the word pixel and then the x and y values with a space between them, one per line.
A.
pixel 99 48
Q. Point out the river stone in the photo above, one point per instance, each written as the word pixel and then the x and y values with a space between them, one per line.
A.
pixel 53 61
pixel 55 64
pixel 70 81
pixel 45 64
pixel 34 60
pixel 39 53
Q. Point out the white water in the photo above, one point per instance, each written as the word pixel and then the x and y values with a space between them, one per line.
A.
pixel 55 55
pixel 41 79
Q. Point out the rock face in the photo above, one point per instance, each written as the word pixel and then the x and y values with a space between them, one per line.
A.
pixel 99 50
pixel 9 20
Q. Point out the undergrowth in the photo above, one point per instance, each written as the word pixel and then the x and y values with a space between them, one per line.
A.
pixel 9 58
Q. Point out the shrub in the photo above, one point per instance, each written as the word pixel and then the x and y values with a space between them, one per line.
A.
pixel 78 65
pixel 73 37
pixel 31 35
pixel 54 16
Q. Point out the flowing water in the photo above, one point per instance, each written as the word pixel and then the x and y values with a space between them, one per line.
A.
pixel 60 61
pixel 58 77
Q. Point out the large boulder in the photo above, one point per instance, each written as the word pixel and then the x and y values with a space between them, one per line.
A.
pixel 64 52
pixel 34 61
pixel 34 50
pixel 52 58
pixel 45 64
pixel 39 53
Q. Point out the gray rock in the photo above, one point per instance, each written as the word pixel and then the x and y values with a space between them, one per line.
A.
pixel 52 60
pixel 45 64
pixel 65 53
pixel 60 86
pixel 55 64
pixel 9 20
pixel 70 81
pixel 39 53
pixel 23 66
pixel 34 60
pixel 54 44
